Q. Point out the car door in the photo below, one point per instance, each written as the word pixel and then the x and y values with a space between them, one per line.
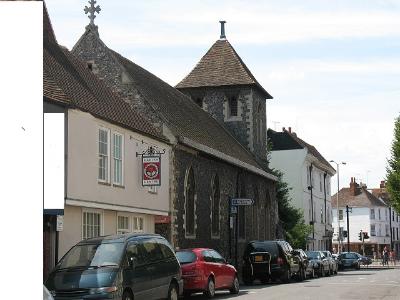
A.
pixel 169 267
pixel 225 273
pixel 157 268
pixel 137 274
pixel 213 267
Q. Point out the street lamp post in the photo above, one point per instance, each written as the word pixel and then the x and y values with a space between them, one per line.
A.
pixel 337 199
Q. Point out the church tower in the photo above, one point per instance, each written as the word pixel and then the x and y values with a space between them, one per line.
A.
pixel 224 87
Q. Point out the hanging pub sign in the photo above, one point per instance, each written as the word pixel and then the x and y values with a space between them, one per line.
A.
pixel 151 170
pixel 151 167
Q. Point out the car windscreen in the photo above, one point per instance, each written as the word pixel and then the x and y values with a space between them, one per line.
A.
pixel 313 255
pixel 263 247
pixel 93 255
pixel 185 257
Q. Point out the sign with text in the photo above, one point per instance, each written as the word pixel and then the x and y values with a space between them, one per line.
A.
pixel 151 170
pixel 241 201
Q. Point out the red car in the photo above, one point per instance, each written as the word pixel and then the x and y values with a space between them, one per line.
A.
pixel 205 270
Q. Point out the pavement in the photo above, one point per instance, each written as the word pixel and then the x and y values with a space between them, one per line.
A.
pixel 364 284
pixel 378 265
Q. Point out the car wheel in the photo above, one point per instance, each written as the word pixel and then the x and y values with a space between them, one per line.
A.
pixel 172 292
pixel 264 279
pixel 313 273
pixel 336 270
pixel 286 275
pixel 235 286
pixel 300 275
pixel 330 271
pixel 127 296
pixel 210 291
pixel 248 280
pixel 187 294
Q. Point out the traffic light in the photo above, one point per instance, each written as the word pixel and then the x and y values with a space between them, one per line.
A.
pixel 360 236
pixel 366 237
pixel 345 233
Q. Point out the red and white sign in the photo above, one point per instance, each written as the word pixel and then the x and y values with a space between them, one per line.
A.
pixel 162 219
pixel 151 170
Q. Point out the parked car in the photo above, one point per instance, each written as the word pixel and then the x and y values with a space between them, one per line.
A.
pixel 333 265
pixel 205 270
pixel 321 263
pixel 123 267
pixel 46 294
pixel 364 260
pixel 265 260
pixel 348 260
pixel 309 265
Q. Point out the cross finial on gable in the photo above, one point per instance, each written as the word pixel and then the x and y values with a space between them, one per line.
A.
pixel 92 10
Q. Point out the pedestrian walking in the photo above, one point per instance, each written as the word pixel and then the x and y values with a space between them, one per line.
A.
pixel 393 257
pixel 385 256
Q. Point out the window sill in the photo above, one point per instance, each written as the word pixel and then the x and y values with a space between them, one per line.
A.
pixel 104 183
pixel 215 237
pixel 190 237
pixel 118 186
pixel 233 119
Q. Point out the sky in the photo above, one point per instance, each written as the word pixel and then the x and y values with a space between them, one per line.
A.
pixel 333 67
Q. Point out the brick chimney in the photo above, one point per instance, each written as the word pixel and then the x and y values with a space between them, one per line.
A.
pixel 290 129
pixel 353 187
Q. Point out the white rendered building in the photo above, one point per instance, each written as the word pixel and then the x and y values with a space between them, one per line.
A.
pixel 308 174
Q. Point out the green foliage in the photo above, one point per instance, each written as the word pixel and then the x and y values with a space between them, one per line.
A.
pixel 296 231
pixel 393 169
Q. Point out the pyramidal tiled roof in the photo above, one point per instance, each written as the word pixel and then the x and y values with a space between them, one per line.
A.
pixel 220 66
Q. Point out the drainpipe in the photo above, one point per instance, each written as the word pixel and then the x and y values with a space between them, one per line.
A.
pixel 390 227
pixel 310 187
pixel 326 246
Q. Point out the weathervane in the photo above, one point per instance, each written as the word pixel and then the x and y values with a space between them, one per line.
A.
pixel 91 10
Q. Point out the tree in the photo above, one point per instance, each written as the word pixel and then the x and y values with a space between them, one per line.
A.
pixel 393 169
pixel 292 220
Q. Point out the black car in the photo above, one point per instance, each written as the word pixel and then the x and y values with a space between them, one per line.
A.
pixel 123 267
pixel 364 260
pixel 265 260
pixel 348 260
pixel 320 262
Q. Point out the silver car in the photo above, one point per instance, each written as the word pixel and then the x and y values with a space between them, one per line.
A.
pixel 333 265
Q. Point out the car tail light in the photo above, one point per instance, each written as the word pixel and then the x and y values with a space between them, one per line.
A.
pixel 192 271
pixel 280 261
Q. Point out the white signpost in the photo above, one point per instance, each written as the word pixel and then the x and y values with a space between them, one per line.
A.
pixel 241 201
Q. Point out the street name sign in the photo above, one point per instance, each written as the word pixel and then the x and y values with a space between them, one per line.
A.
pixel 241 201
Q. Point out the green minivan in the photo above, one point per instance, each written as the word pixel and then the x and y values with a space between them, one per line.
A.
pixel 123 267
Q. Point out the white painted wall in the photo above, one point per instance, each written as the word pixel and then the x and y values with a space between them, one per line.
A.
pixel 85 192
pixel 83 184
pixel 294 164
pixel 359 219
